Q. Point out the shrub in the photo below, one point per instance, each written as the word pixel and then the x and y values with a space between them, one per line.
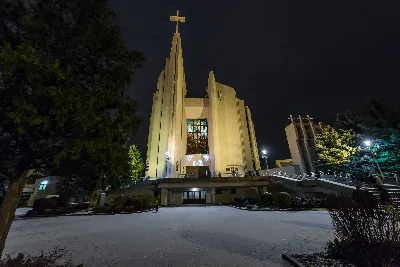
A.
pixel 69 209
pixel 55 258
pixel 130 201
pixel 104 209
pixel 137 204
pixel 82 206
pixel 31 213
pixel 266 199
pixel 275 187
pixel 107 209
pixel 307 203
pixel 238 201
pixel 129 209
pixel 364 235
pixel 41 204
pixel 283 200
pixel 120 201
pixel 251 201
pixel 98 210
pixel 117 209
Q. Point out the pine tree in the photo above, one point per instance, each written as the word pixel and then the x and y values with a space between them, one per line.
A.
pixel 64 72
pixel 136 162
pixel 335 147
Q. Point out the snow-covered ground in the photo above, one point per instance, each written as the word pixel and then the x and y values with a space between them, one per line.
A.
pixel 181 236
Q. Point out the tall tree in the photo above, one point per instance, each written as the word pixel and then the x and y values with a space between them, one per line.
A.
pixel 137 164
pixel 64 70
pixel 381 126
pixel 335 147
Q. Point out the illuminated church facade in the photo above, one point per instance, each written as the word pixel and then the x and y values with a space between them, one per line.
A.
pixel 198 136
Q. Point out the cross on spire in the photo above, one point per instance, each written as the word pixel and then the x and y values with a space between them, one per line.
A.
pixel 177 19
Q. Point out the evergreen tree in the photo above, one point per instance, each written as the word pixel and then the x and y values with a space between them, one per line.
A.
pixel 335 147
pixel 136 163
pixel 381 126
pixel 64 70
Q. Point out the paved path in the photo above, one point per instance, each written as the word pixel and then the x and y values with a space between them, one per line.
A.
pixel 182 236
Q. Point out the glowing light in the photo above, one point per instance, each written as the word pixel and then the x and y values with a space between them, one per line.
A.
pixel 200 163
pixel 195 189
pixel 206 157
pixel 264 152
pixel 367 142
pixel 189 158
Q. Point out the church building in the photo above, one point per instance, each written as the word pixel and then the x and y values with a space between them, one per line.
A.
pixel 192 137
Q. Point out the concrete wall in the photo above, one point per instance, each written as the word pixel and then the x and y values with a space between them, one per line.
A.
pixel 226 197
pixel 294 147
pixel 253 141
pixel 245 138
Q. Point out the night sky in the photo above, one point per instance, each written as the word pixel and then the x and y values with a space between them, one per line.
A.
pixel 282 57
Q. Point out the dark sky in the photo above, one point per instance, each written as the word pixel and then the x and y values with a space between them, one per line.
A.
pixel 282 57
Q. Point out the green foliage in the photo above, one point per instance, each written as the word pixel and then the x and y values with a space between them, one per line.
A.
pixel 385 150
pixel 335 147
pixel 365 235
pixel 380 125
pixel 275 187
pixel 64 108
pixel 129 209
pixel 49 259
pixel 72 186
pixel 136 162
pixel 283 200
pixel 266 199
pixel 104 209
pixel 118 209
pixel 64 102
pixel 120 201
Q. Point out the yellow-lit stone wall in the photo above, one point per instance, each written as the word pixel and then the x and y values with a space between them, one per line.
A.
pixel 231 133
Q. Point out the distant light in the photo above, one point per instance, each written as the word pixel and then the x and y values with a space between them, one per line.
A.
pixel 44 182
pixel 195 189
pixel 167 153
pixel 206 157
pixel 189 157
pixel 367 143
pixel 264 152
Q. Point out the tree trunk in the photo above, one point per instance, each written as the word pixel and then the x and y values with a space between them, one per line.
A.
pixel 9 206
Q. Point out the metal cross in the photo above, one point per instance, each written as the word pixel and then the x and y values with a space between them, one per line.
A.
pixel 177 19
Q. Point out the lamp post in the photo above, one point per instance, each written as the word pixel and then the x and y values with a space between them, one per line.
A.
pixel 368 143
pixel 265 156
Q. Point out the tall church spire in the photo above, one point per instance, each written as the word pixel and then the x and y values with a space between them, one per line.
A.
pixel 177 19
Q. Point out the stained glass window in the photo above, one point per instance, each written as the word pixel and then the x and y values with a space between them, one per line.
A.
pixel 197 137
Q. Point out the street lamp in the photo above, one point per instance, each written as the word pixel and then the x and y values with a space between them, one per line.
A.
pixel 368 143
pixel 265 156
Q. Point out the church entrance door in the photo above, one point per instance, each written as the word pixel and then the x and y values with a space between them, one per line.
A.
pixel 194 197
pixel 199 171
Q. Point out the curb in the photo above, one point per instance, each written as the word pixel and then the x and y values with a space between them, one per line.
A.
pixel 291 260
pixel 312 209
pixel 23 217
